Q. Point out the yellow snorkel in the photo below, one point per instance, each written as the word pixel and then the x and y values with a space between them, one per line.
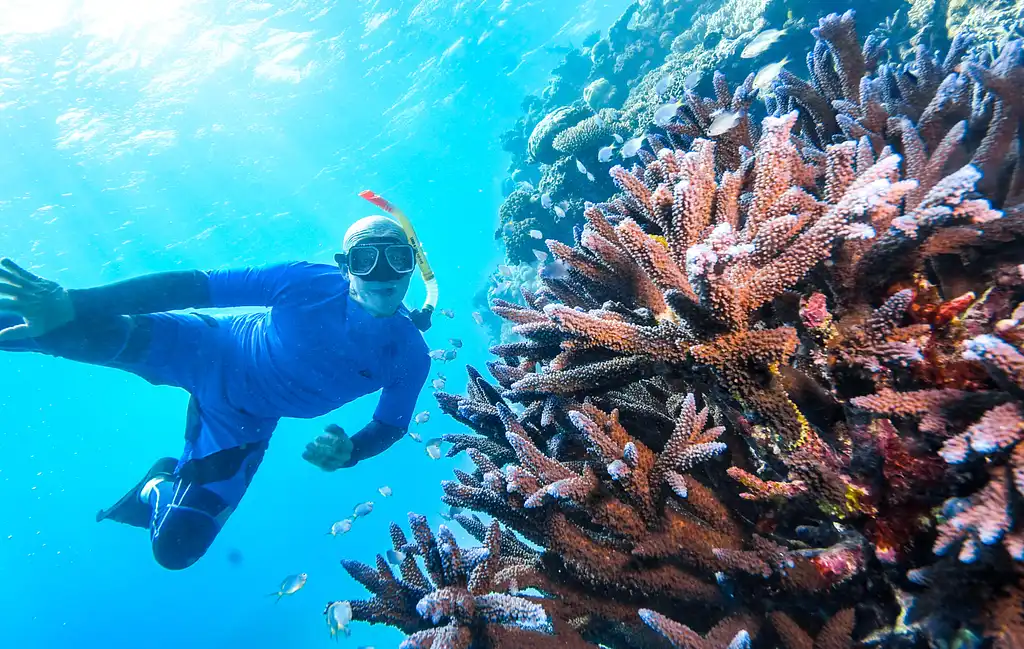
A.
pixel 421 259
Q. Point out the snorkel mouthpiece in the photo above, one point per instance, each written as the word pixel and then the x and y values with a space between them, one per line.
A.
pixel 430 303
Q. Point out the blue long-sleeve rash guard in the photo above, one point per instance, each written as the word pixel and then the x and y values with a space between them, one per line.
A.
pixel 313 351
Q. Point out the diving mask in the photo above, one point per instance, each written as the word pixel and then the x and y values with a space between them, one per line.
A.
pixel 364 260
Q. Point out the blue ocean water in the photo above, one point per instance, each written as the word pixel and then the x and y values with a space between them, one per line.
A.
pixel 142 136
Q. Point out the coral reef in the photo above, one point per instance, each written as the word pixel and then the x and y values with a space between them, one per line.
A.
pixel 770 394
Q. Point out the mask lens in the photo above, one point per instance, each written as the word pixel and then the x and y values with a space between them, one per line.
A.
pixel 400 258
pixel 362 259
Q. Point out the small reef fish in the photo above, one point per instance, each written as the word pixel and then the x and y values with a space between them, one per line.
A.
pixel 667 113
pixel 599 121
pixel 555 270
pixel 422 417
pixel 385 491
pixel 448 313
pixel 451 353
pixel 580 167
pixel 766 75
pixel 451 512
pixel 536 234
pixel 437 384
pixel 291 585
pixel 617 138
pixel 692 79
pixel 457 344
pixel 504 270
pixel 339 616
pixel 631 146
pixel 604 154
pixel 559 212
pixel 395 557
pixel 363 509
pixel 662 86
pixel 341 527
pixel 477 318
pixel 590 177
pixel 540 255
pixel 436 354
pixel 724 121
pixel 761 43
pixel 545 200
pixel 500 287
pixel 415 436
pixel 433 448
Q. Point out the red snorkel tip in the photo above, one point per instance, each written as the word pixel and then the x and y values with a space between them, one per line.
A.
pixel 376 200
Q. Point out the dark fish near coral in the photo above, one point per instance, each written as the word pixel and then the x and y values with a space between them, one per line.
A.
pixel 451 512
pixel 395 557
pixel 450 354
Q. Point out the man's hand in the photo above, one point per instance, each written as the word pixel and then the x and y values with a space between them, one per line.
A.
pixel 421 317
pixel 43 304
pixel 330 451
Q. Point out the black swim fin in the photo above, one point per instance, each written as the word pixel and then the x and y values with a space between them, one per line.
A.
pixel 129 509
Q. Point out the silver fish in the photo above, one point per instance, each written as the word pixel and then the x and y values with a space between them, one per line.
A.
pixel 604 154
pixel 451 353
pixel 764 77
pixel 477 318
pixel 436 354
pixel 422 417
pixel 341 527
pixel 415 436
pixel 692 79
pixel 590 177
pixel 451 512
pixel 363 509
pixel 545 200
pixel 536 234
pixel 504 270
pixel 339 616
pixel 662 86
pixel 761 43
pixel 433 449
pixel 291 585
pixel 395 557
pixel 555 270
pixel 385 491
pixel 599 121
pixel 630 148
pixel 437 384
pixel 724 121
pixel 667 113
pixel 448 313
pixel 540 255
pixel 580 167
pixel 559 212
pixel 617 138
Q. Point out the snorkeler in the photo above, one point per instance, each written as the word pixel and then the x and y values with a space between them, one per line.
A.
pixel 331 334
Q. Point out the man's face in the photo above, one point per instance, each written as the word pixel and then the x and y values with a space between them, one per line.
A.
pixel 382 290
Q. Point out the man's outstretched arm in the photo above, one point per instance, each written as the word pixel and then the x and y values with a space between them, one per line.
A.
pixel 185 289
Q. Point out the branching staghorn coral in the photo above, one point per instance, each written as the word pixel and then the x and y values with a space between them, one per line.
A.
pixel 771 395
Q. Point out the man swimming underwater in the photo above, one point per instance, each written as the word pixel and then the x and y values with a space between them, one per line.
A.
pixel 332 334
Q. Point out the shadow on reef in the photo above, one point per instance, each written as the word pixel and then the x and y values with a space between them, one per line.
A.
pixel 770 393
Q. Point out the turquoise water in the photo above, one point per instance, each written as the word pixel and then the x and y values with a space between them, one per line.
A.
pixel 142 136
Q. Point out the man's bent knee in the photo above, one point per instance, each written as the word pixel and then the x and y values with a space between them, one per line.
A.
pixel 183 537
